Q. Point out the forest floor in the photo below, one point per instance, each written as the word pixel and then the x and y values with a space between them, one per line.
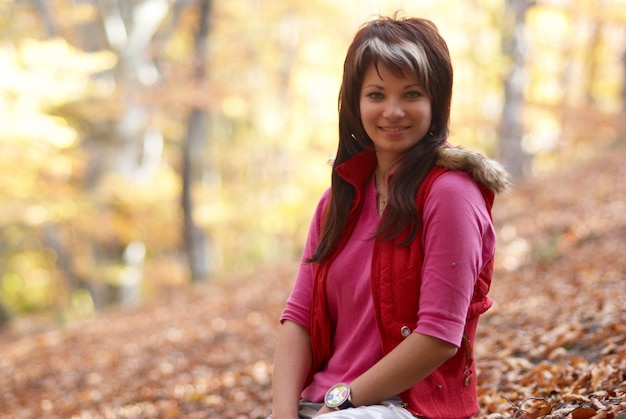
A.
pixel 553 345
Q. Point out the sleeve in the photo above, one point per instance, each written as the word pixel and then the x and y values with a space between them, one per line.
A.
pixel 458 239
pixel 299 301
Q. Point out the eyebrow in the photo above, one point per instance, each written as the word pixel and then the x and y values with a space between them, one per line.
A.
pixel 408 86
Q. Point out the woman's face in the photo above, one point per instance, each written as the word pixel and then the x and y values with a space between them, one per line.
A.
pixel 395 112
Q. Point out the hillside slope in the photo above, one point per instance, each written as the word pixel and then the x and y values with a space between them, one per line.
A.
pixel 555 341
pixel 552 346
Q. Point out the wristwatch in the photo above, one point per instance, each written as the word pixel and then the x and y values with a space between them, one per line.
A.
pixel 338 397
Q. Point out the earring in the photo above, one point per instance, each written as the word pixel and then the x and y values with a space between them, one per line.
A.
pixel 354 137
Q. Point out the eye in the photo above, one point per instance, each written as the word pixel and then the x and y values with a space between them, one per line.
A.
pixel 414 94
pixel 375 95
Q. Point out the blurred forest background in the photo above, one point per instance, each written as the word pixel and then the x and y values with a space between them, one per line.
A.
pixel 148 144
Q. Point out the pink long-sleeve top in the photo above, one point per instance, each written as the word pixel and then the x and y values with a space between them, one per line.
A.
pixel 457 227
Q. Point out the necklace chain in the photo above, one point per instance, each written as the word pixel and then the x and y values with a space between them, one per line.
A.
pixel 381 201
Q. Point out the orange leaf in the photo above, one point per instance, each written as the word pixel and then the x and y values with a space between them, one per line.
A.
pixel 583 413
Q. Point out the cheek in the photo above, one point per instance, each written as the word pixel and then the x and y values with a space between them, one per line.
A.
pixel 366 112
pixel 429 109
pixel 427 113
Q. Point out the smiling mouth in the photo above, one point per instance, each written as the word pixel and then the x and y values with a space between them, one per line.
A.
pixel 393 129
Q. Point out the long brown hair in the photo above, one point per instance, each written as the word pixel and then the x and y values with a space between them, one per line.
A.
pixel 404 45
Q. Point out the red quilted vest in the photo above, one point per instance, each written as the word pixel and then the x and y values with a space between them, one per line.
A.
pixel 450 391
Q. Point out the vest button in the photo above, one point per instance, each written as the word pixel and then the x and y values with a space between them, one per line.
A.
pixel 405 331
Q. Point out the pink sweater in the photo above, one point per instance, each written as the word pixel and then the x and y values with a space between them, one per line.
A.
pixel 457 226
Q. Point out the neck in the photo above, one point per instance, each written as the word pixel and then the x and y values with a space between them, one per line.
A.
pixel 381 180
pixel 382 176
pixel 381 187
pixel 387 163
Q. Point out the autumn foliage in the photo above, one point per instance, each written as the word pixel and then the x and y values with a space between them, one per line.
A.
pixel 553 345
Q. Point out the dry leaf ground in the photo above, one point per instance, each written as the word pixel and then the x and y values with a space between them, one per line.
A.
pixel 552 346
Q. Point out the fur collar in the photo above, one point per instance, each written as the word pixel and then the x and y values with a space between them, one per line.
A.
pixel 485 171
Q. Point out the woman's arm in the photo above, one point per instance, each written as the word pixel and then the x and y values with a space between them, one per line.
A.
pixel 409 363
pixel 292 362
pixel 293 357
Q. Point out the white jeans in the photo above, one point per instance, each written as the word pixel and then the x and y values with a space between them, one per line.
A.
pixel 371 412
pixel 379 411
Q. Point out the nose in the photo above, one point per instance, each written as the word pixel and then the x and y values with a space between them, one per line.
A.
pixel 393 110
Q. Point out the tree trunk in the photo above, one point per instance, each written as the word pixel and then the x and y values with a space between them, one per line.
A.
pixel 512 154
pixel 135 73
pixel 5 316
pixel 624 82
pixel 196 241
pixel 48 19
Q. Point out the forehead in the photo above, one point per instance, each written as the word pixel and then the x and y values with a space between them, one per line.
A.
pixel 381 74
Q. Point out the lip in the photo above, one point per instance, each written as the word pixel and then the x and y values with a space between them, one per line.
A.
pixel 395 130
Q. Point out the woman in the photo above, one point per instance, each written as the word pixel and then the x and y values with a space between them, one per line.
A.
pixel 398 261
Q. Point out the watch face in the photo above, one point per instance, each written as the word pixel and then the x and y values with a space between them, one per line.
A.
pixel 337 395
